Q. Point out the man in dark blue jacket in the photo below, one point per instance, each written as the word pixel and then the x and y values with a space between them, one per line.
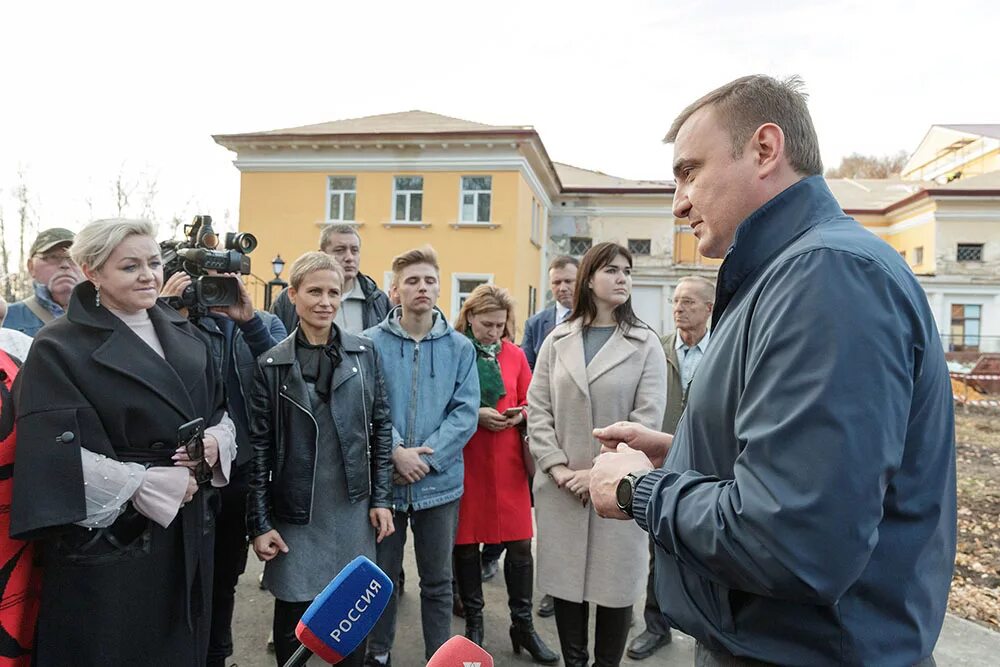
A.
pixel 236 335
pixel 805 513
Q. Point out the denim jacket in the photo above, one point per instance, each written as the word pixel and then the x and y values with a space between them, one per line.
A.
pixel 433 388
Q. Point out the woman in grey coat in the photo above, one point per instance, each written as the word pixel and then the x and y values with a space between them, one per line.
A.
pixel 601 366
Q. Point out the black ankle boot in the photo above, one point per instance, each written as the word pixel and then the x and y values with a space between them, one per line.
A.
pixel 519 577
pixel 468 575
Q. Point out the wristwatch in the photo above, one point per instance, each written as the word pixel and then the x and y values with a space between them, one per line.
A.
pixel 625 492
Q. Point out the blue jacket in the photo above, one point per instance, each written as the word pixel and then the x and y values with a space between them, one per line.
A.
pixel 536 328
pixel 806 512
pixel 433 391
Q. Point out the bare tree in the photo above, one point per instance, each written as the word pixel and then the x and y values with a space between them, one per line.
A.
pixel 122 189
pixel 18 281
pixel 149 192
pixel 8 287
pixel 856 165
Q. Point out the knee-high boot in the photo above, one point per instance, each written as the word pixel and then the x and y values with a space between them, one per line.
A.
pixel 571 623
pixel 520 578
pixel 611 635
pixel 469 576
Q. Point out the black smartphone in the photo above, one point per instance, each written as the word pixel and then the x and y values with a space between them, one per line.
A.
pixel 189 436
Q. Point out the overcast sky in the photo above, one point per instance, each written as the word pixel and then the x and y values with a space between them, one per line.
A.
pixel 97 88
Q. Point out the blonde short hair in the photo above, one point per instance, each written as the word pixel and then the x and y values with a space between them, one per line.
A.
pixel 312 262
pixel 424 255
pixel 486 299
pixel 98 239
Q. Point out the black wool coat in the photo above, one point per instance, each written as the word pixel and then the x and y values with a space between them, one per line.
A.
pixel 133 593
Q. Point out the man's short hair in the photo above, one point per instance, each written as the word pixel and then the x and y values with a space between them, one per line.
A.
pixel 745 104
pixel 326 236
pixel 423 255
pixel 705 287
pixel 310 263
pixel 562 261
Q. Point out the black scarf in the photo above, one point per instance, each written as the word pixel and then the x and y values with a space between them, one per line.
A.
pixel 318 362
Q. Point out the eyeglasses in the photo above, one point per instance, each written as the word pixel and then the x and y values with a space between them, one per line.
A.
pixel 56 257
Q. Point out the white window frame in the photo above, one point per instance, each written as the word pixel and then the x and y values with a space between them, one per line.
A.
pixel 536 221
pixel 408 193
pixel 456 296
pixel 331 191
pixel 475 200
pixel 386 281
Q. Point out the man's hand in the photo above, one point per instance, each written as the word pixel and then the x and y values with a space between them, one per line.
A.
pixel 381 520
pixel 492 420
pixel 409 465
pixel 654 444
pixel 242 311
pixel 579 485
pixel 609 469
pixel 268 545
pixel 176 285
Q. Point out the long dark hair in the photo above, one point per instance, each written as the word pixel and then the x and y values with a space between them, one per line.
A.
pixel 584 303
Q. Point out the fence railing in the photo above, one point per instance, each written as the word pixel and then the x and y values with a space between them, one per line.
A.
pixel 970 343
pixel 975 389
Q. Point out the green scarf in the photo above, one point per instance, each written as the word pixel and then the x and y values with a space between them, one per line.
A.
pixel 491 387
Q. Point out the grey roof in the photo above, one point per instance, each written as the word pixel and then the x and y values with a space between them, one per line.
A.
pixel 984 130
pixel 577 178
pixel 404 122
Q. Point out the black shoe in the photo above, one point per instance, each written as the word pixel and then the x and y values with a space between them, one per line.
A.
pixel 490 568
pixel 370 661
pixel 546 607
pixel 647 644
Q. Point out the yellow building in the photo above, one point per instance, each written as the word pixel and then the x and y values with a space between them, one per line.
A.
pixel 497 208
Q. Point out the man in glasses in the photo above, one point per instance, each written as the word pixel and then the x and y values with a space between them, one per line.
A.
pixel 54 274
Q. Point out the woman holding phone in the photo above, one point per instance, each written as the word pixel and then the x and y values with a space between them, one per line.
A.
pixel 496 505
pixel 121 434
pixel 602 365
pixel 321 481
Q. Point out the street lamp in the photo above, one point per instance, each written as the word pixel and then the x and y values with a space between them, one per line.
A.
pixel 277 265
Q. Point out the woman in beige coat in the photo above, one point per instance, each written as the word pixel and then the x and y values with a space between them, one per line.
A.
pixel 601 366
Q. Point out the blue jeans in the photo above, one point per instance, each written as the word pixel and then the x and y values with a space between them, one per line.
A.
pixel 433 539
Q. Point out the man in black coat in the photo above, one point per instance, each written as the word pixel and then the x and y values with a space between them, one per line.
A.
pixel 363 305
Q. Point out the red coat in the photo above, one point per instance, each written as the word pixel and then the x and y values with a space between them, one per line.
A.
pixel 496 505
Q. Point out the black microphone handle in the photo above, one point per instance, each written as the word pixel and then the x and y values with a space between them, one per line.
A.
pixel 300 657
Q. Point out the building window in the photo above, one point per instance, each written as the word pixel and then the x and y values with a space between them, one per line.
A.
pixel 408 199
pixel 462 285
pixel 918 255
pixel 341 197
pixel 579 245
pixel 970 252
pixel 476 198
pixel 640 246
pixel 965 320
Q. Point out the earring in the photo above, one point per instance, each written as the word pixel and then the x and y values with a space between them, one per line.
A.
pixel 97 297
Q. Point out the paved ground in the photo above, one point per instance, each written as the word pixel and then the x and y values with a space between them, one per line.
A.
pixel 961 642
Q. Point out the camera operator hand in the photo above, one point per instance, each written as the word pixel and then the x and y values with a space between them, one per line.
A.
pixel 242 311
pixel 176 285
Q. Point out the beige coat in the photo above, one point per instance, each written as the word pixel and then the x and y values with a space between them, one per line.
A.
pixel 580 555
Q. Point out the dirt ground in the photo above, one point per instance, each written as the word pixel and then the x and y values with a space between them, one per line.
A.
pixel 975 591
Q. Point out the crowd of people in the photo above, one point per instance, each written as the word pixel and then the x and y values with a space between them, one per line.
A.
pixel 785 476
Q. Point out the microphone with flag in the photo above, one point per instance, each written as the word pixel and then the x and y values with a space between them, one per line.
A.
pixel 340 617
pixel 460 652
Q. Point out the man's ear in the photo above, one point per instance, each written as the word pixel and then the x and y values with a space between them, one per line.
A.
pixel 768 145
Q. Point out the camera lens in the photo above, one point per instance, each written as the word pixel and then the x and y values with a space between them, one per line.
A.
pixel 245 242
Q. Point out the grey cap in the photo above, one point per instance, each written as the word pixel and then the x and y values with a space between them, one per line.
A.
pixel 50 238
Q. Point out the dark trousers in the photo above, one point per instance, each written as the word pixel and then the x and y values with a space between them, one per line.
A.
pixel 610 633
pixel 433 538
pixel 286 617
pixel 231 546
pixel 651 614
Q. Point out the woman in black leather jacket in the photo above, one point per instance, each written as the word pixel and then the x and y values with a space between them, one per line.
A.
pixel 321 486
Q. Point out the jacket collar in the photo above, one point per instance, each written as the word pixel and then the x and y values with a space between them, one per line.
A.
pixel 568 343
pixel 769 230
pixel 284 352
pixel 124 352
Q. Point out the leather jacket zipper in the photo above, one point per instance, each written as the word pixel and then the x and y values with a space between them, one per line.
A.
pixel 312 494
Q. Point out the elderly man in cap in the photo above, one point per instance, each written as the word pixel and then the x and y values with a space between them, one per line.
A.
pixel 54 275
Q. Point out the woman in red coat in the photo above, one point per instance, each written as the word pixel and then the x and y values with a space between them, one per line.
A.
pixel 496 505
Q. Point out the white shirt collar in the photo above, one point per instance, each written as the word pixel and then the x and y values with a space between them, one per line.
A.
pixel 562 312
pixel 701 345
